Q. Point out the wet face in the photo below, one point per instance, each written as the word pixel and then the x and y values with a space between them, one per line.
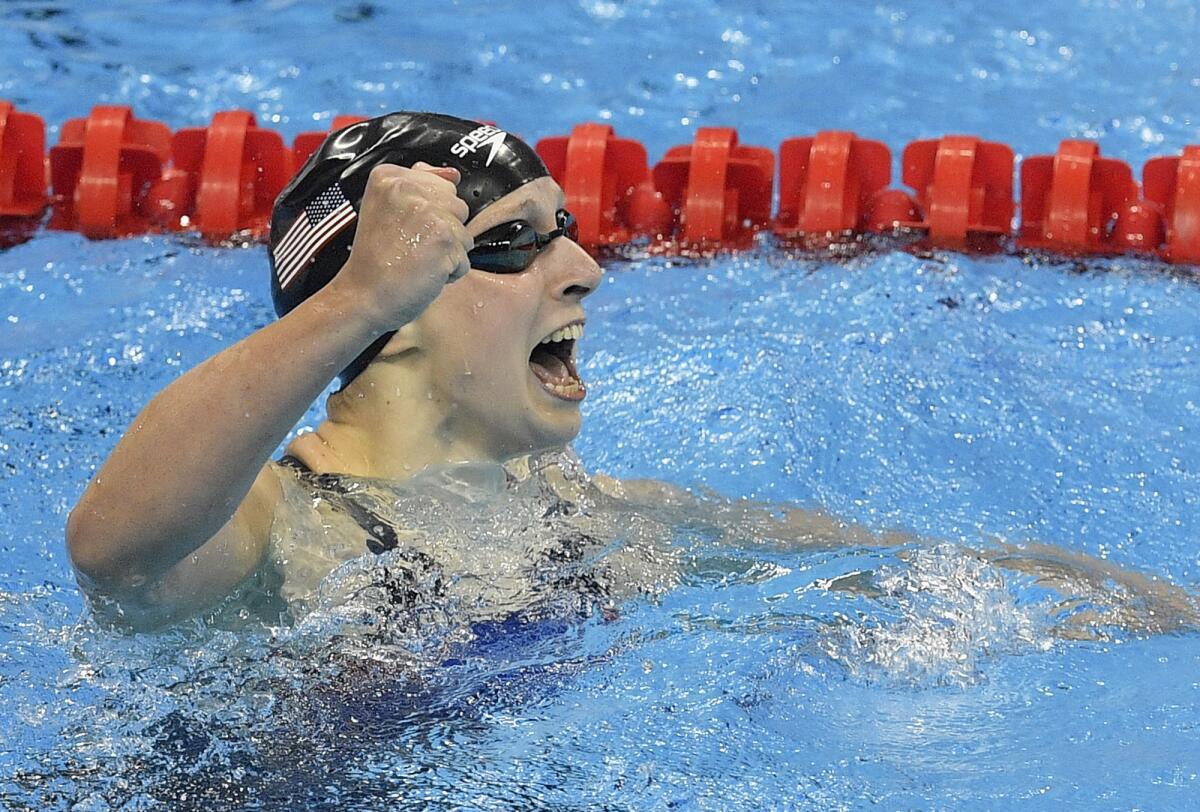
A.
pixel 499 349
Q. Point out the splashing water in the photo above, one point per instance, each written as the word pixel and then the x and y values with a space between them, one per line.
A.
pixel 941 616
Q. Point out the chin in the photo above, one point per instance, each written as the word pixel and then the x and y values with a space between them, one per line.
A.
pixel 549 416
pixel 558 435
pixel 549 432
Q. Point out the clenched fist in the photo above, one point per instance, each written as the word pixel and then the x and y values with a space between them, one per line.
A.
pixel 410 242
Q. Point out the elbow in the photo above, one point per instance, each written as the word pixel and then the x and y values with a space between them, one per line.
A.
pixel 118 594
pixel 86 554
pixel 93 557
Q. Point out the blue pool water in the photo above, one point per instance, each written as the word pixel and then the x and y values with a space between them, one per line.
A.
pixel 971 402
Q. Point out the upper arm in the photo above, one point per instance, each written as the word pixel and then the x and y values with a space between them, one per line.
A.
pixel 210 572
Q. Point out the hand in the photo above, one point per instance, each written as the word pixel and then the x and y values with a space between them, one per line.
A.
pixel 410 242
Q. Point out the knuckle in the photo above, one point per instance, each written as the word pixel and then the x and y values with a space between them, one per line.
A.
pixel 435 186
pixel 415 202
pixel 382 174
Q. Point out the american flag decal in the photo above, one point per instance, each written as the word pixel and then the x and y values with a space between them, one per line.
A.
pixel 322 219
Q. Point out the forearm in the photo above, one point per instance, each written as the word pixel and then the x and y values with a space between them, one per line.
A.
pixel 743 521
pixel 191 456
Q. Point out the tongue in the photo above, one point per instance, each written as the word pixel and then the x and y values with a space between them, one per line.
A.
pixel 549 367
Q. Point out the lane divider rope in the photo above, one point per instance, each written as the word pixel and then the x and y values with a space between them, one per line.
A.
pixel 113 175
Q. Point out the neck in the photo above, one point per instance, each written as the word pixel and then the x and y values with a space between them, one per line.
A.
pixel 379 429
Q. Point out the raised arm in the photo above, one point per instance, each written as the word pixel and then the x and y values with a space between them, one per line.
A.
pixel 184 503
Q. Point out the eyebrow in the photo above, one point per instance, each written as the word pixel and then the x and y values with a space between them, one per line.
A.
pixel 528 206
pixel 525 209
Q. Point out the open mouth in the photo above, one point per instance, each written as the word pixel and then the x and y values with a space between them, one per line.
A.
pixel 553 363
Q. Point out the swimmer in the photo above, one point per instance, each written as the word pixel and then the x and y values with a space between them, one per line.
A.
pixel 424 259
pixel 428 263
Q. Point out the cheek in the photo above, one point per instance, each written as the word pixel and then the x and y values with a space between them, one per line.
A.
pixel 496 309
pixel 484 324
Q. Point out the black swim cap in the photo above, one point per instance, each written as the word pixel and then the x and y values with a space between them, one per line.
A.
pixel 315 217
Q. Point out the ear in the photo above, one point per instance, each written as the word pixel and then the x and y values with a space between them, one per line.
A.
pixel 405 340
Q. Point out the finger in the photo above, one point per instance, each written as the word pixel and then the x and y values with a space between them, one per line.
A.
pixel 385 170
pixel 445 198
pixel 443 191
pixel 459 209
pixel 461 266
pixel 445 172
pixel 456 233
pixel 456 210
pixel 431 181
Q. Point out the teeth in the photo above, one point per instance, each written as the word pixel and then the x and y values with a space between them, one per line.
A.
pixel 565 389
pixel 574 331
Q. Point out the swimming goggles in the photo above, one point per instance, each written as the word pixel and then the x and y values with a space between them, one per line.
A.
pixel 512 247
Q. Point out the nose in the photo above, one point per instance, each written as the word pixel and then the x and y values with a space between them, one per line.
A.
pixel 573 272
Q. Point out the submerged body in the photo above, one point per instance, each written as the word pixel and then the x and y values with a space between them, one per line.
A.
pixel 481 540
pixel 431 562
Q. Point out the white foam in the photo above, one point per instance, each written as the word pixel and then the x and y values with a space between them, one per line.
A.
pixel 944 613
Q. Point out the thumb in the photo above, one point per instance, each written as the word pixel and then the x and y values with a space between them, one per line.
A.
pixel 445 172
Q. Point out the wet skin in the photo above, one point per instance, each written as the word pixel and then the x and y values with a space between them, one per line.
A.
pixel 455 383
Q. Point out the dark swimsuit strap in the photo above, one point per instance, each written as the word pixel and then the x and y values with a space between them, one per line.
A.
pixel 381 536
pixel 290 461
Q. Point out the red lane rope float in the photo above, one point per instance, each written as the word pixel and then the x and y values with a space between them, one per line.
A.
pixel 113 175
pixel 1173 184
pixel 101 169
pixel 1070 200
pixel 239 168
pixel 607 181
pixel 827 184
pixel 22 163
pixel 719 190
pixel 965 187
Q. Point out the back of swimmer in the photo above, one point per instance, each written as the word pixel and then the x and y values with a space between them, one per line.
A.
pixel 372 249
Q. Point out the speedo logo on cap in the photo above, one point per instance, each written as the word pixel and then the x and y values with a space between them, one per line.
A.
pixel 477 138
